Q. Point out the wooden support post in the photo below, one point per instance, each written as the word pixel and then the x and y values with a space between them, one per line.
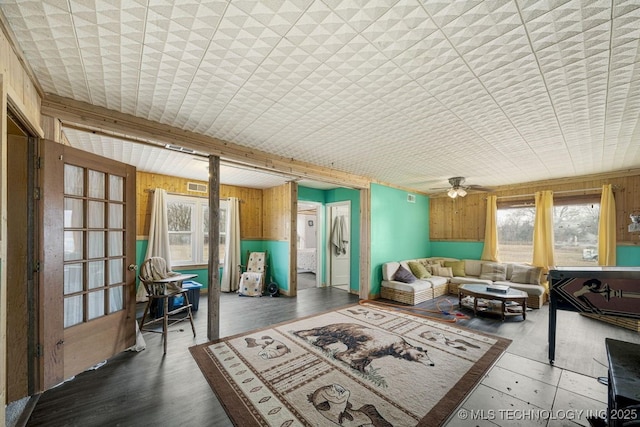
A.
pixel 3 247
pixel 213 314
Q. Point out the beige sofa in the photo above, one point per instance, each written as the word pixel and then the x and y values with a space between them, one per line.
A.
pixel 520 276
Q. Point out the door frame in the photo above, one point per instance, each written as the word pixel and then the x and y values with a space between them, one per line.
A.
pixel 320 214
pixel 327 245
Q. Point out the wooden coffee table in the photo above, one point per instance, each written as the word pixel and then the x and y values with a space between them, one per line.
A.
pixel 479 291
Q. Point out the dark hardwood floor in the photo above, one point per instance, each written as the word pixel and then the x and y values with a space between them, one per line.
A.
pixel 147 389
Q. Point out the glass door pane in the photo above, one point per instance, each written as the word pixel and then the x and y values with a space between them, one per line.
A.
pixel 93 243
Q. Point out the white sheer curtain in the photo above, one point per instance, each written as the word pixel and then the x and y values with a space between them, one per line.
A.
pixel 230 277
pixel 158 234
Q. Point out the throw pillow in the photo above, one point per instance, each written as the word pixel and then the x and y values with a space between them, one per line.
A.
pixel 442 271
pixel 419 270
pixel 526 274
pixel 493 271
pixel 403 275
pixel 427 266
pixel 457 267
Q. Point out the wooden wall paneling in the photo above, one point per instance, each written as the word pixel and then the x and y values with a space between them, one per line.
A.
pixel 464 218
pixel 250 205
pixel 21 88
pixel 17 251
pixel 250 209
pixel 276 210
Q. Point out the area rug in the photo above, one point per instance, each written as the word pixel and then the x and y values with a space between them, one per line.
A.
pixel 358 365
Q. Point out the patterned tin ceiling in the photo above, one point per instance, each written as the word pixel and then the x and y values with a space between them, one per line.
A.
pixel 409 92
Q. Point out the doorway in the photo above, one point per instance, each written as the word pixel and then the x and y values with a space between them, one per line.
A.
pixel 21 277
pixel 308 250
pixel 339 245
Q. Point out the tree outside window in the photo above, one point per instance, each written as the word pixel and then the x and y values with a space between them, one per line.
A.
pixel 575 233
pixel 188 220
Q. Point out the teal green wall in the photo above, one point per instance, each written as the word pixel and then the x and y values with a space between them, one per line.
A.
pixel 461 250
pixel 628 256
pixel 278 263
pixel 399 229
pixel 278 259
pixel 311 194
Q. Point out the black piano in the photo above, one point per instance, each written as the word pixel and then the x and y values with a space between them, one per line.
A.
pixel 613 291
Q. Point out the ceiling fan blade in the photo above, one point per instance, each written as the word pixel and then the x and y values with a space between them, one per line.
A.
pixel 480 188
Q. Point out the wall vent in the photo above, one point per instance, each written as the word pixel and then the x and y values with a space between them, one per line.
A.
pixel 179 148
pixel 411 198
pixel 198 188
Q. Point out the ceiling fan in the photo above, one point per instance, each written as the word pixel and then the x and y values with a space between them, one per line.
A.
pixel 458 189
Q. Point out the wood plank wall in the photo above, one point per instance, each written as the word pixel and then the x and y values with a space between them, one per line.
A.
pixel 18 91
pixel 21 90
pixel 251 218
pixel 463 219
pixel 277 208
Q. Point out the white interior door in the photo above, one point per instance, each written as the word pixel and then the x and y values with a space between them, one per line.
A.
pixel 339 242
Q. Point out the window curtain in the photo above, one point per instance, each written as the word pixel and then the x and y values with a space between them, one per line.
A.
pixel 607 228
pixel 490 250
pixel 543 233
pixel 158 244
pixel 230 273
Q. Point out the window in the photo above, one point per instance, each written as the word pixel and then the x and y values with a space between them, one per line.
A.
pixel 575 227
pixel 515 233
pixel 188 219
pixel 575 233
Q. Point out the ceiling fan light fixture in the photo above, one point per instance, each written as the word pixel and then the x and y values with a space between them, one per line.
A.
pixel 452 193
pixel 461 192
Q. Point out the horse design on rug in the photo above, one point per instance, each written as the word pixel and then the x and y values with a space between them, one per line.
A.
pixel 363 344
pixel 458 344
pixel 332 402
pixel 270 348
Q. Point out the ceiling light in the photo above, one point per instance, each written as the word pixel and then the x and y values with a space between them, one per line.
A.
pixel 461 192
pixel 452 193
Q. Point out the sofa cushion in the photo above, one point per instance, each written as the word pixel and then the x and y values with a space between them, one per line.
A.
pixel 403 275
pixel 457 267
pixel 442 271
pixel 493 271
pixel 389 269
pixel 417 286
pixel 527 274
pixel 470 280
pixel 438 280
pixel 419 270
pixel 473 267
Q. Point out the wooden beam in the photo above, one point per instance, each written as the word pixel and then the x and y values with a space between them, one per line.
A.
pixel 213 300
pixel 93 118
pixel 365 244
pixel 3 248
